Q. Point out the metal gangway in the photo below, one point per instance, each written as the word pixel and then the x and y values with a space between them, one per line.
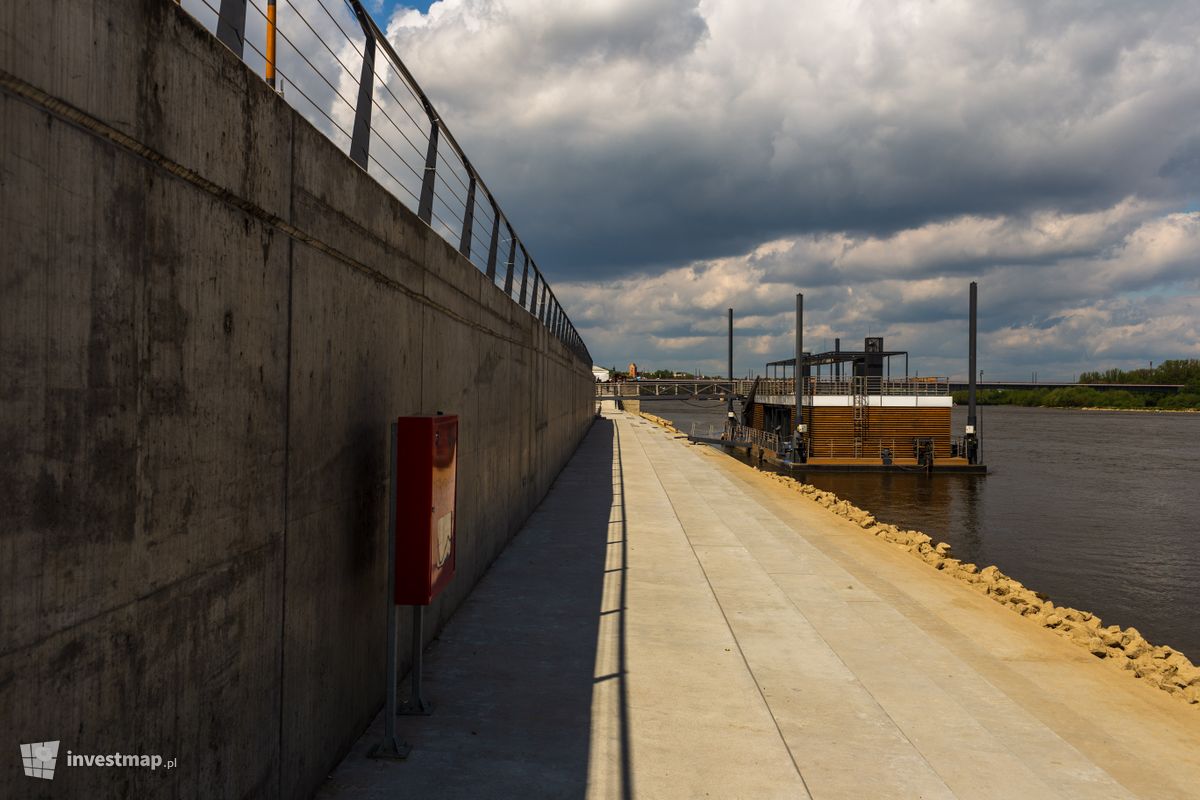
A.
pixel 695 388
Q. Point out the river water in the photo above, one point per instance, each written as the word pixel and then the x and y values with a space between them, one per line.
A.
pixel 1099 510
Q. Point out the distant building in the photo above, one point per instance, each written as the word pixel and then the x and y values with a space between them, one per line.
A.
pixel 632 370
pixel 600 373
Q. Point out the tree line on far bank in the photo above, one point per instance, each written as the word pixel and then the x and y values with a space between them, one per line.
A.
pixel 1177 371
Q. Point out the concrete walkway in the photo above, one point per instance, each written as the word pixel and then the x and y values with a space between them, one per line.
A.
pixel 671 624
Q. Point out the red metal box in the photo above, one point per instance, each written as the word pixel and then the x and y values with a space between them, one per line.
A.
pixel 426 489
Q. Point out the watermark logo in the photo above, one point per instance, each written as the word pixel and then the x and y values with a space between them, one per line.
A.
pixel 39 759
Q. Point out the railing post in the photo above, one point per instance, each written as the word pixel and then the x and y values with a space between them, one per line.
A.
pixel 231 25
pixel 425 207
pixel 269 69
pixel 360 141
pixel 542 312
pixel 464 244
pixel 508 265
pixel 533 292
pixel 491 262
pixel 524 277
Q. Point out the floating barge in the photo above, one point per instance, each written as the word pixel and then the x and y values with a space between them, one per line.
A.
pixel 848 414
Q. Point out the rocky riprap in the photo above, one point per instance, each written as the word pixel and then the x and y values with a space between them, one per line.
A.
pixel 1160 666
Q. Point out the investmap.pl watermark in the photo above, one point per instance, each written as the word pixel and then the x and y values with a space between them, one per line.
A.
pixel 41 759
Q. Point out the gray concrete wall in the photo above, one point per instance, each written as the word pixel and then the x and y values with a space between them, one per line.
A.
pixel 208 315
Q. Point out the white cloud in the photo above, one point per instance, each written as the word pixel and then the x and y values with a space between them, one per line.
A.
pixel 1057 293
pixel 632 134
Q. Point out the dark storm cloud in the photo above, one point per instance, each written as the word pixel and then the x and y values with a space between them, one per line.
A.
pixel 680 138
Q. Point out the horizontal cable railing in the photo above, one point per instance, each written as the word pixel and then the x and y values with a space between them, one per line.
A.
pixel 775 387
pixel 784 387
pixel 699 388
pixel 334 66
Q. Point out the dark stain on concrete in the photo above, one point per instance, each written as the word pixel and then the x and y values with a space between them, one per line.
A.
pixel 168 319
pixel 13 478
pixel 189 505
pixel 64 660
pixel 150 122
pixel 166 397
pixel 485 373
pixel 63 415
pixel 365 473
pixel 47 501
pixel 110 499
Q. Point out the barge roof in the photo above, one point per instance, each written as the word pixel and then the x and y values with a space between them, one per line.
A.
pixel 835 357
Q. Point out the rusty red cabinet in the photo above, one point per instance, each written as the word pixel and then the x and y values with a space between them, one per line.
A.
pixel 426 489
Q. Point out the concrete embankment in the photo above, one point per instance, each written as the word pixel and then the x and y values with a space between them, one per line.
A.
pixel 209 314
pixel 1157 665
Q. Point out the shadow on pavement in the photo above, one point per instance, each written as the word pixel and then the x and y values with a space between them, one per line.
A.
pixel 513 674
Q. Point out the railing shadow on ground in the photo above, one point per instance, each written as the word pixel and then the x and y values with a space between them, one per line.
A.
pixel 529 678
pixel 622 676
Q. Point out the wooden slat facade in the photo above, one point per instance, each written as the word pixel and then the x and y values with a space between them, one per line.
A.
pixel 831 430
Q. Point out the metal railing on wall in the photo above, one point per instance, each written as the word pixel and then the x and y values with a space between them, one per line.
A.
pixel 308 51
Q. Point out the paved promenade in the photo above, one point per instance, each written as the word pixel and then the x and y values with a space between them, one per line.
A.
pixel 671 624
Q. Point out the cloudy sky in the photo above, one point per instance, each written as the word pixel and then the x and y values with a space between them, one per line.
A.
pixel 667 159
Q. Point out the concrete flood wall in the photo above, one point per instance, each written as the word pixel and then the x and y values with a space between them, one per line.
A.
pixel 208 316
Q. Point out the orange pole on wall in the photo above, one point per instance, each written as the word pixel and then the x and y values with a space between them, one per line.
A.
pixel 270 71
